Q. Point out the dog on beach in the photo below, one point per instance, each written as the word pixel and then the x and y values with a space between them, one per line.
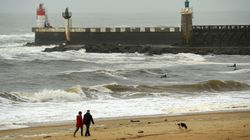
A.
pixel 182 125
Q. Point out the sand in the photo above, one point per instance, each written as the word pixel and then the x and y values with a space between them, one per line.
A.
pixel 207 126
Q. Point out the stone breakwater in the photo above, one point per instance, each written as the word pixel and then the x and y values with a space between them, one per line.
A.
pixel 152 49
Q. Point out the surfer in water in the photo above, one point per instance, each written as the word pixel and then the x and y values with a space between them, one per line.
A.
pixel 234 65
pixel 164 76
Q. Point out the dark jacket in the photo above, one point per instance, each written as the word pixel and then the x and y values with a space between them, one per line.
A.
pixel 88 119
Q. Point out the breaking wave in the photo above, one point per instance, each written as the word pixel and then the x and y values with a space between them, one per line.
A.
pixel 114 91
pixel 42 96
pixel 208 86
pixel 15 40
pixel 17 36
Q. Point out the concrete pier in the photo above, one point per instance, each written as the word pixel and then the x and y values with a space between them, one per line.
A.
pixel 187 35
pixel 110 35
pixel 221 35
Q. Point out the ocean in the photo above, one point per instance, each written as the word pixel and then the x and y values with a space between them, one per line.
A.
pixel 42 87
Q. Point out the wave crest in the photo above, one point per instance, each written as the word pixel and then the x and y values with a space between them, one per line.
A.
pixel 208 86
pixel 113 91
pixel 42 96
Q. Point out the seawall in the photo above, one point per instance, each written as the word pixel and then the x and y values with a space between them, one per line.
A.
pixel 136 35
pixel 202 36
pixel 221 35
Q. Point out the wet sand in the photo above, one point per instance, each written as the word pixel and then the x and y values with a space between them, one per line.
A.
pixel 207 126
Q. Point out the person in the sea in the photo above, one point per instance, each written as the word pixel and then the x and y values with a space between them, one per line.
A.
pixel 234 65
pixel 164 76
pixel 87 119
pixel 79 123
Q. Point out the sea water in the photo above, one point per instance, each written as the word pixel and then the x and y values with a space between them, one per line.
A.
pixel 40 87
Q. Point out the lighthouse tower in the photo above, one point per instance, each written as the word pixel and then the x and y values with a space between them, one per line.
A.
pixel 67 15
pixel 186 23
pixel 41 17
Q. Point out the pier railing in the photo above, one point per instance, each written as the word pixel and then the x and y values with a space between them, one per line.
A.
pixel 110 29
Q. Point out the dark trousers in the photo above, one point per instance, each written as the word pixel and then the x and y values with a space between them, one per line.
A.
pixel 87 130
pixel 77 128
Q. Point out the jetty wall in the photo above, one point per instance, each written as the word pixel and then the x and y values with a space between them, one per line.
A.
pixel 202 36
pixel 148 35
pixel 221 35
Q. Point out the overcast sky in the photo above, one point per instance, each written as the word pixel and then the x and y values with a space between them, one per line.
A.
pixel 100 6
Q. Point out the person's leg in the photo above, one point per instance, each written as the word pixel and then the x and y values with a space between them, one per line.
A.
pixel 81 131
pixel 87 131
pixel 77 128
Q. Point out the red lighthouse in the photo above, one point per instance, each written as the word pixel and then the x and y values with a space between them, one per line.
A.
pixel 41 17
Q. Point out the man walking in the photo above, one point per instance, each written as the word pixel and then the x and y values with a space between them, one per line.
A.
pixel 79 123
pixel 87 120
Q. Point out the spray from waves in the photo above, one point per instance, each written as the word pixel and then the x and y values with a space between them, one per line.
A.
pixel 23 53
pixel 16 36
pixel 45 95
pixel 190 57
pixel 15 40
pixel 72 94
pixel 208 86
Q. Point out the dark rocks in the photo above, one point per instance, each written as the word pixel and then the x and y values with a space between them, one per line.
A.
pixel 151 49
pixel 30 44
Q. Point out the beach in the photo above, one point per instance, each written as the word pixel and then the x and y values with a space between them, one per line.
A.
pixel 131 95
pixel 216 126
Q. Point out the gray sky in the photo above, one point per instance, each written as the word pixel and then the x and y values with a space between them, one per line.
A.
pixel 101 6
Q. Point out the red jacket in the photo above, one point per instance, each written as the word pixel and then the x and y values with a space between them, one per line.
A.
pixel 79 122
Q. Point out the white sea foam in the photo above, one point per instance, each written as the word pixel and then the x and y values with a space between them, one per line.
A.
pixel 17 36
pixel 8 45
pixel 54 96
pixel 19 114
pixel 110 73
pixel 189 57
pixel 132 61
pixel 15 40
pixel 23 53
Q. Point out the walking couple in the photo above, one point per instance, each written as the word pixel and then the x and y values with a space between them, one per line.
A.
pixel 85 120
